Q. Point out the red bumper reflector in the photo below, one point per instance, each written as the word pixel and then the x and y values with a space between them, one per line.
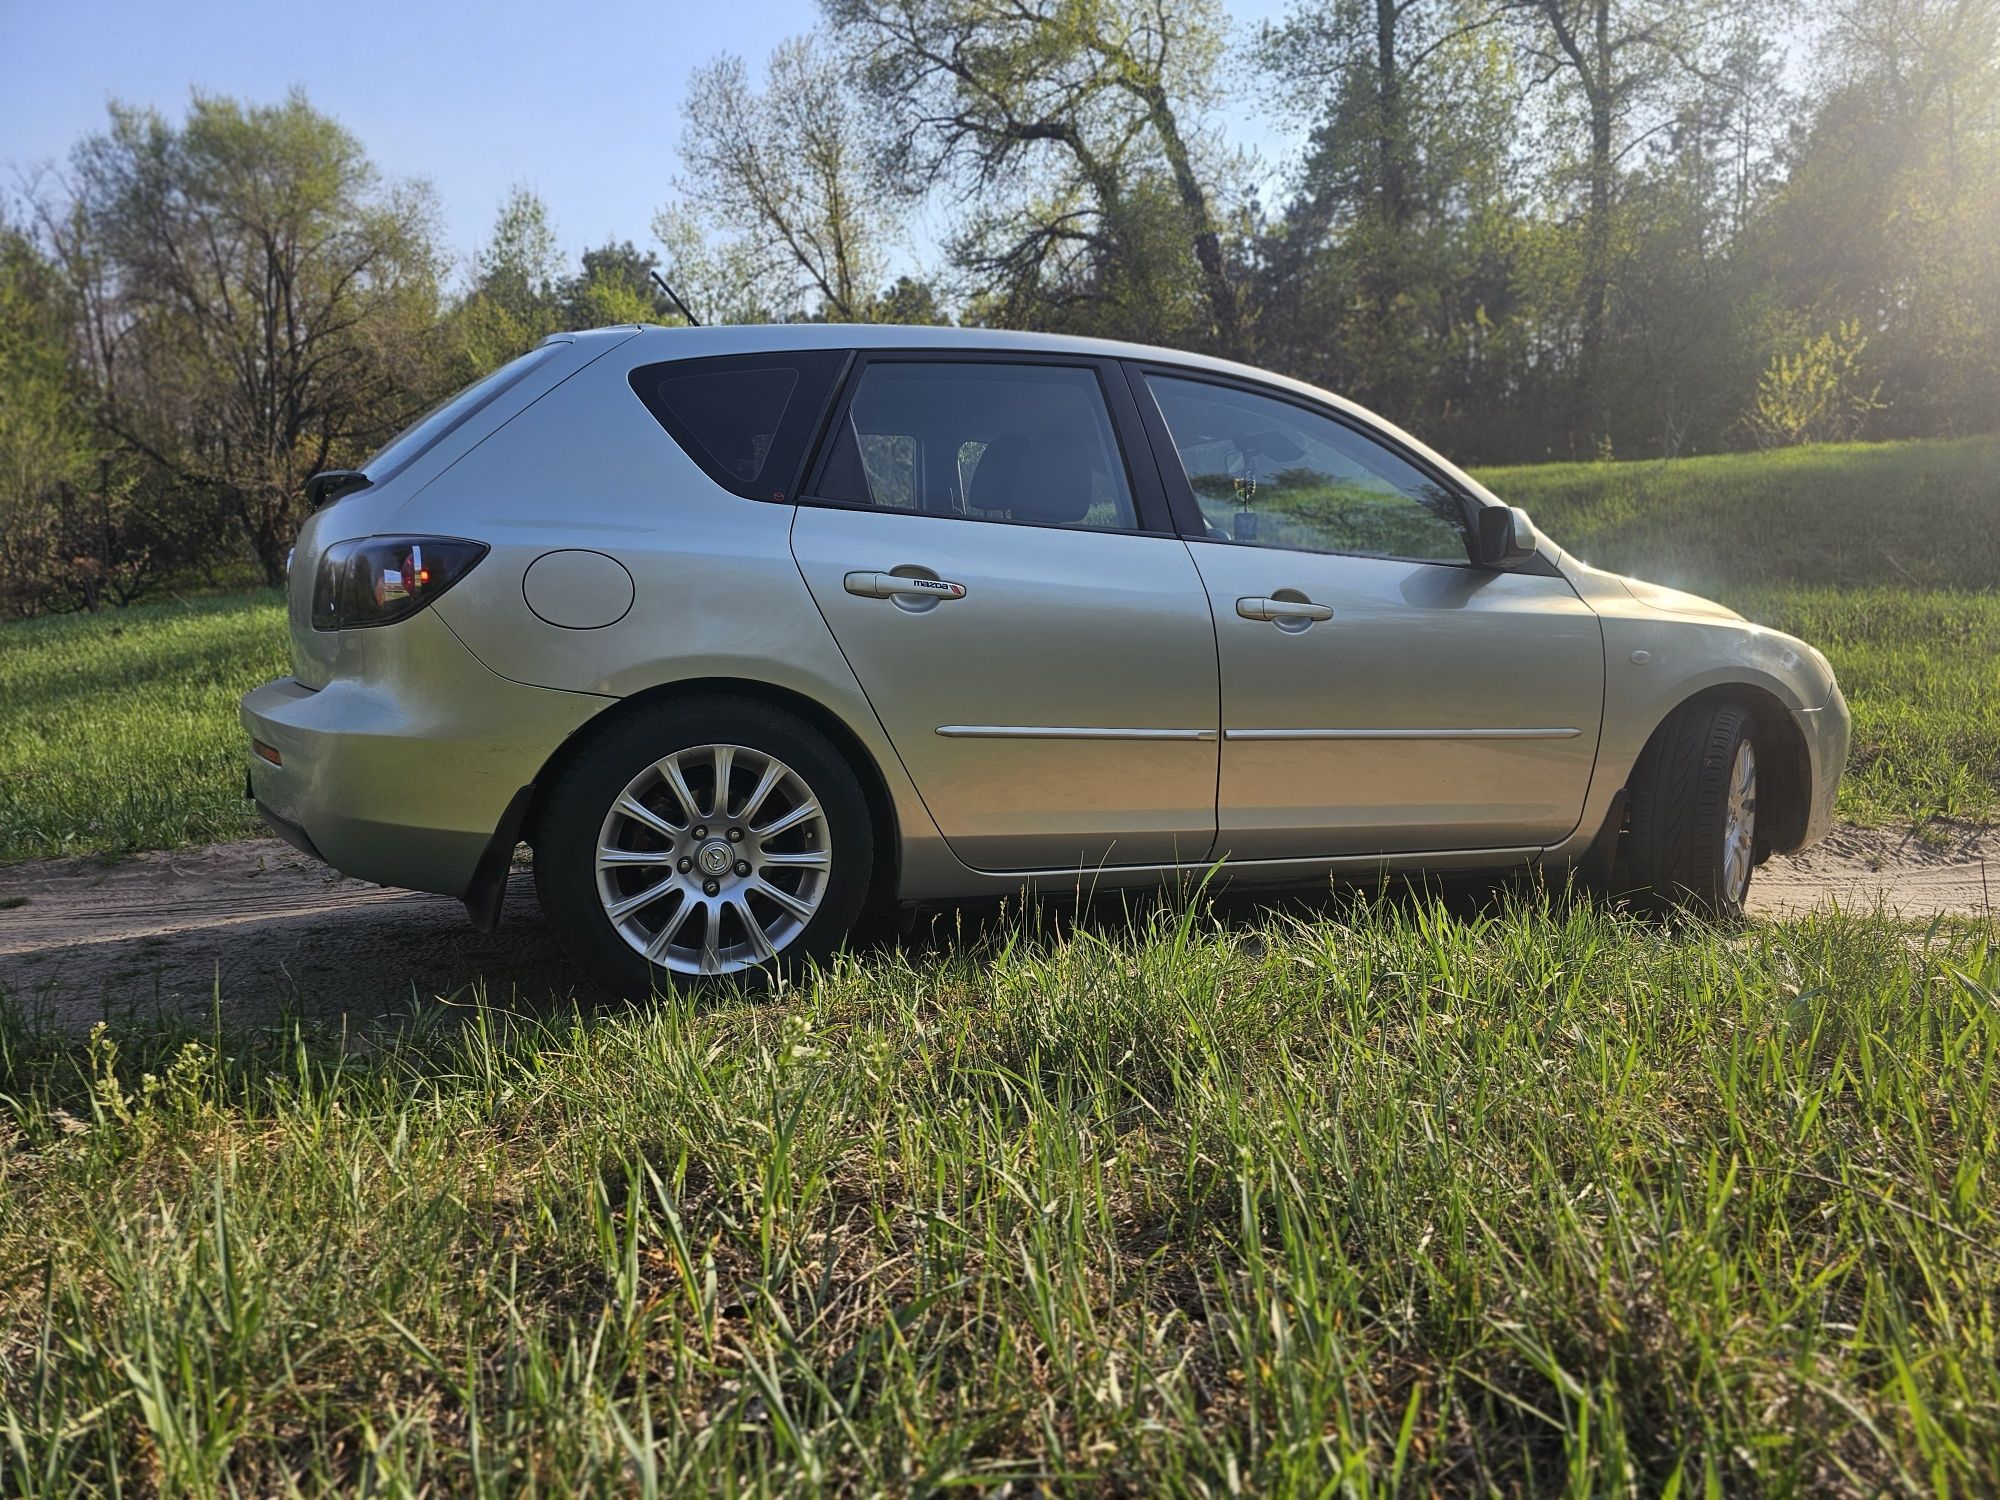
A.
pixel 268 752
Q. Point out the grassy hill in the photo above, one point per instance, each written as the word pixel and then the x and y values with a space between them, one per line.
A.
pixel 1849 517
pixel 119 732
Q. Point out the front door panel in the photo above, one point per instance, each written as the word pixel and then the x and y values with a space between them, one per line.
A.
pixel 1436 706
pixel 1060 712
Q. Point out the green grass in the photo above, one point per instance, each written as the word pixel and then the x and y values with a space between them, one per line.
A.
pixel 1918 516
pixel 1393 1201
pixel 1921 671
pixel 119 732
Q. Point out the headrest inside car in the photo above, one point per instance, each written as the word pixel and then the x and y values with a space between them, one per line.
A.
pixel 1046 478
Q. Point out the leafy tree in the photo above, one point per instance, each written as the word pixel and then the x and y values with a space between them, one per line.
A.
pixel 785 173
pixel 45 447
pixel 1817 395
pixel 257 301
pixel 913 302
pixel 516 299
pixel 615 285
pixel 1617 68
pixel 1391 264
pixel 719 278
pixel 1071 130
pixel 1890 210
pixel 521 263
pixel 1684 339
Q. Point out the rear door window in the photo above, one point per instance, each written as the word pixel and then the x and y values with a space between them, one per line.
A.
pixel 983 440
pixel 747 419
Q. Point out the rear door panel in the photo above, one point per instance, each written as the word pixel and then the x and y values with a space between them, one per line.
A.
pixel 1063 712
pixel 1052 688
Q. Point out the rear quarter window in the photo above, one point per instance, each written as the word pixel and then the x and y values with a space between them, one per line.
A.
pixel 442 420
pixel 746 419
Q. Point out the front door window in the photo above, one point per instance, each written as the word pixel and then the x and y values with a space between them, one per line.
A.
pixel 1273 474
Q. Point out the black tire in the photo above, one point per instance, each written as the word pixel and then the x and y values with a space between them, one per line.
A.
pixel 568 828
pixel 1675 853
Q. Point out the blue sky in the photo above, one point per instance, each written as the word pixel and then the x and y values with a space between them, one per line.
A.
pixel 579 101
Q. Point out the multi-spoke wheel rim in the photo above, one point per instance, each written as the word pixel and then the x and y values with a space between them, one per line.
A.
pixel 713 859
pixel 1739 828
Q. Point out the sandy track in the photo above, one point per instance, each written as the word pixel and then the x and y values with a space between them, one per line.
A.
pixel 157 934
pixel 1857 868
pixel 275 931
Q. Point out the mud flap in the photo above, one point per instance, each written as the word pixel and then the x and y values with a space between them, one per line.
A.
pixel 1598 864
pixel 488 890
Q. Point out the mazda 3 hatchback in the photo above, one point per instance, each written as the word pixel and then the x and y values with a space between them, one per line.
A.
pixel 744 629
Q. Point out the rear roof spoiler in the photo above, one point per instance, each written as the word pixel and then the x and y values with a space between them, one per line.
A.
pixel 331 484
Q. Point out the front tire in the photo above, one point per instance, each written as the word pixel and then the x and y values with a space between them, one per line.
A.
pixel 712 838
pixel 1691 837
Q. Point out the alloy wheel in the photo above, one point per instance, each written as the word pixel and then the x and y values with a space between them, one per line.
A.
pixel 1739 825
pixel 713 859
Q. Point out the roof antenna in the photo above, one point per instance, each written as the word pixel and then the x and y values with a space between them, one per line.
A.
pixel 679 306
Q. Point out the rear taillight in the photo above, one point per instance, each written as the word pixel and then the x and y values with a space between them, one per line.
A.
pixel 378 580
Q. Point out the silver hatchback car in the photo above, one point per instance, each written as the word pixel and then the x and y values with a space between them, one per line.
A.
pixel 747 629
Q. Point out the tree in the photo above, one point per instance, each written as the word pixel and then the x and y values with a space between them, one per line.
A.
pixel 1817 394
pixel 785 173
pixel 1068 127
pixel 1383 278
pixel 45 448
pixel 1890 211
pixel 718 277
pixel 615 285
pixel 521 264
pixel 1683 339
pixel 257 300
pixel 516 299
pixel 1614 65
pixel 911 301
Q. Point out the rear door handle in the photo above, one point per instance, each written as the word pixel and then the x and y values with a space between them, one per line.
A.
pixel 1261 608
pixel 895 586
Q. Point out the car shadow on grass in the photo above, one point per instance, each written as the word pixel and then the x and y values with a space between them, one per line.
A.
pixel 405 973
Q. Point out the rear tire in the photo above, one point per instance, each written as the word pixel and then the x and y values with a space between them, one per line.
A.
pixel 711 838
pixel 1691 833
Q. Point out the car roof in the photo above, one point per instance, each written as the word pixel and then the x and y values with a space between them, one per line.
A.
pixel 689 343
pixel 660 343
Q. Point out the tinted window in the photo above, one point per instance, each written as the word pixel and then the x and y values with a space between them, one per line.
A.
pixel 982 440
pixel 745 418
pixel 451 413
pixel 1273 474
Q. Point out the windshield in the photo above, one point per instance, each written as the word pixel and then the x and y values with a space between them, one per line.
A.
pixel 441 420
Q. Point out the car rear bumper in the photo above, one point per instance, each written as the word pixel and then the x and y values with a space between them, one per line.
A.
pixel 402 773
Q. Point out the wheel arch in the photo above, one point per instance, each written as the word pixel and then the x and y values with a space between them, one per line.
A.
pixel 1784 800
pixel 874 786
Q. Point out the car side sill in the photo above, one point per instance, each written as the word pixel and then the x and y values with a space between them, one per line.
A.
pixel 1290 868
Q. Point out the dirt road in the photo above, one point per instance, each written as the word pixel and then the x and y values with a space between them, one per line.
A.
pixel 275 933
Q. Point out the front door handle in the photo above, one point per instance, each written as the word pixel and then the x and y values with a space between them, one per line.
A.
pixel 895 586
pixel 1261 608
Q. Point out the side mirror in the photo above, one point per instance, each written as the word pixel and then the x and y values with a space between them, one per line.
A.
pixel 1505 537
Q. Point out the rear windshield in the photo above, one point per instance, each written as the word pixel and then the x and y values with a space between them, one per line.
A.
pixel 407 446
pixel 747 419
